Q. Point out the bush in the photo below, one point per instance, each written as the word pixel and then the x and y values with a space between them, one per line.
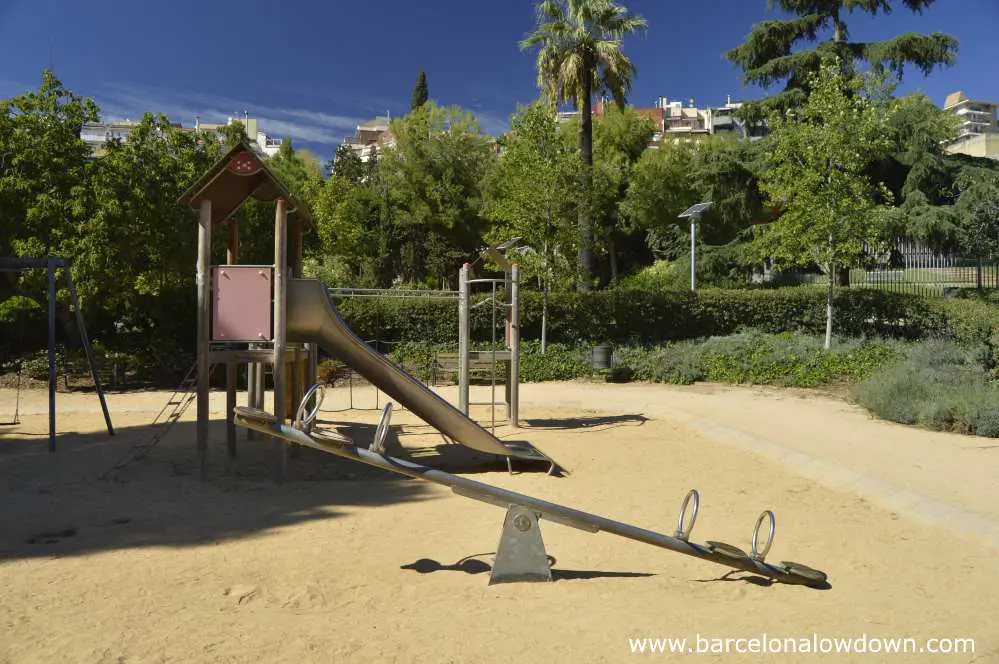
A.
pixel 559 362
pixel 749 357
pixel 653 317
pixel 939 385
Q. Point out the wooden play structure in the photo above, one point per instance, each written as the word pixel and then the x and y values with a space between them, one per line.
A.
pixel 241 308
pixel 269 316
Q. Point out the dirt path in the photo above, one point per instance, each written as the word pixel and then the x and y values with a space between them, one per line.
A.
pixel 945 479
pixel 345 564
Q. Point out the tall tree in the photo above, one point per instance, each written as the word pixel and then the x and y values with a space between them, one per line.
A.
pixel 620 138
pixel 347 164
pixel 42 168
pixel 135 225
pixel 816 172
pixel 44 193
pixel 773 51
pixel 978 215
pixel 298 169
pixel 528 192
pixel 420 92
pixel 579 54
pixel 432 175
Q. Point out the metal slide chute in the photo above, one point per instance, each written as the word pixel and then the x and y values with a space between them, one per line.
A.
pixel 312 317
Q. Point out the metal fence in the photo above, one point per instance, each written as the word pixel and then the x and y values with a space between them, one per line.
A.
pixel 913 268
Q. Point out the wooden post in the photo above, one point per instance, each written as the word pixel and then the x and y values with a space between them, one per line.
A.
pixel 52 355
pixel 204 329
pixel 232 249
pixel 85 340
pixel 251 392
pixel 230 406
pixel 297 391
pixel 297 232
pixel 260 380
pixel 297 376
pixel 280 328
pixel 513 377
pixel 464 335
pixel 231 367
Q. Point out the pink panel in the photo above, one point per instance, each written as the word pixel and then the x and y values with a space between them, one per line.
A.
pixel 241 307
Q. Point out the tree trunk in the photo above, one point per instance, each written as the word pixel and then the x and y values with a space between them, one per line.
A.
pixel 586 267
pixel 612 252
pixel 546 268
pixel 829 306
pixel 544 318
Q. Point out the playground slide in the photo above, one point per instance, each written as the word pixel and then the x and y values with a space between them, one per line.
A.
pixel 312 317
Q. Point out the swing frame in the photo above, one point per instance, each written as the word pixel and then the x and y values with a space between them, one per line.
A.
pixel 51 264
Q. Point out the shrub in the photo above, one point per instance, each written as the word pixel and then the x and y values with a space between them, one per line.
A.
pixel 652 317
pixel 559 362
pixel 939 385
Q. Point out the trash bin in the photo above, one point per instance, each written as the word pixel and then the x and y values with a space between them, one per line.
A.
pixel 601 356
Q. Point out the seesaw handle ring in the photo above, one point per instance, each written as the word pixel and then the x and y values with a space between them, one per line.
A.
pixel 683 529
pixel 759 554
pixel 304 417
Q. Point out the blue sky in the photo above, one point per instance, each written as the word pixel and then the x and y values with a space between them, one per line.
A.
pixel 313 70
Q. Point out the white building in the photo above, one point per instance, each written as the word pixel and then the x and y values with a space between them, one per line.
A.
pixel 978 133
pixel 96 134
pixel 371 136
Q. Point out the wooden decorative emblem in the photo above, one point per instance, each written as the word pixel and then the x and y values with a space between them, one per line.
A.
pixel 244 163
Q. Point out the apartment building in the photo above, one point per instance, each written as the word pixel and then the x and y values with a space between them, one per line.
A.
pixel 978 133
pixel 97 134
pixel 370 136
pixel 677 122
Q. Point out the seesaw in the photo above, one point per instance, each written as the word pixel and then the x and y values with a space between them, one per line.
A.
pixel 521 555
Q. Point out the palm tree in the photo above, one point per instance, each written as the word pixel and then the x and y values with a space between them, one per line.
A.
pixel 580 54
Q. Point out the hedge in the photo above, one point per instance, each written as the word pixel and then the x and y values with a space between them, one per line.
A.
pixel 648 317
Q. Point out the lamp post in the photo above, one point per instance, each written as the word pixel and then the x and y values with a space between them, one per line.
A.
pixel 694 213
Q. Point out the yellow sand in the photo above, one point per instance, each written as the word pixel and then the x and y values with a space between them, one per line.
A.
pixel 345 564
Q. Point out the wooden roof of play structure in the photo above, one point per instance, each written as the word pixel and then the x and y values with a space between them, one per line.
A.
pixel 241 174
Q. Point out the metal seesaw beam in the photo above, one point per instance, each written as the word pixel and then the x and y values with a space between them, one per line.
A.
pixel 792 573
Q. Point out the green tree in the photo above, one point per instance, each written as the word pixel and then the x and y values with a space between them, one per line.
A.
pixel 347 164
pixel 44 195
pixel 43 169
pixel 661 187
pixel 420 92
pixel 977 210
pixel 135 225
pixel 580 54
pixel 298 169
pixel 668 180
pixel 773 51
pixel 432 177
pixel 529 193
pixel 347 216
pixel 816 172
pixel 620 138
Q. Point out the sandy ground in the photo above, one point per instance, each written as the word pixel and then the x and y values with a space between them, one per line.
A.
pixel 342 563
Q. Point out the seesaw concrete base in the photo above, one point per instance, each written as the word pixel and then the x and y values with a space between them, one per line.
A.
pixel 521 554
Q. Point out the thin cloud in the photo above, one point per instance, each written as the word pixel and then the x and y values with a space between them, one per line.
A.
pixel 303 125
pixel 491 123
pixel 10 88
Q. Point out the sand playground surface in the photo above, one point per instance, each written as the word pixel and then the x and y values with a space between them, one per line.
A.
pixel 345 563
